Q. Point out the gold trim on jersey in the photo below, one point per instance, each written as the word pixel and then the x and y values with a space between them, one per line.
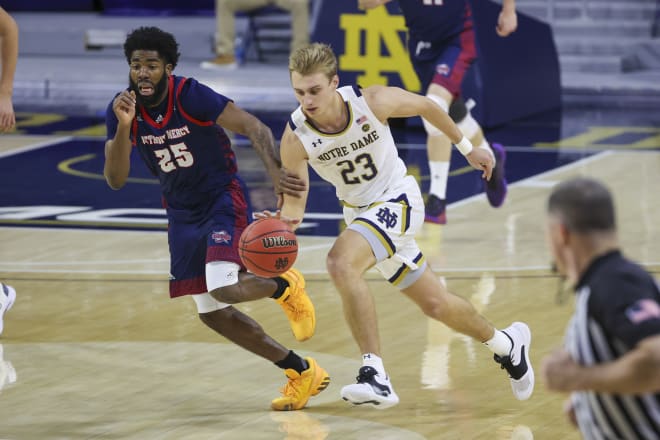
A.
pixel 369 206
pixel 382 236
pixel 404 270
pixel 349 124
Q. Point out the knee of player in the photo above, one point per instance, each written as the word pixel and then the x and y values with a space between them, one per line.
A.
pixel 207 319
pixel 458 110
pixel 434 307
pixel 227 294
pixel 215 319
pixel 431 129
pixel 461 115
pixel 339 267
pixel 222 280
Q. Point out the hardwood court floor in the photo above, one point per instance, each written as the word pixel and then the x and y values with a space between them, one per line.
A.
pixel 95 349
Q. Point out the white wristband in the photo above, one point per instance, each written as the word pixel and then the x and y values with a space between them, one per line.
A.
pixel 464 146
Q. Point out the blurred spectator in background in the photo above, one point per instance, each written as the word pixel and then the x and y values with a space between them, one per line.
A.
pixel 225 11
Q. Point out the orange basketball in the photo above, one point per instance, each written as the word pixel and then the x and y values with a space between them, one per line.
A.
pixel 268 247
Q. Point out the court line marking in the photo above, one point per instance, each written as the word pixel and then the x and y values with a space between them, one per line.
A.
pixel 39 267
pixel 36 146
pixel 87 262
pixel 445 270
pixel 90 271
pixel 522 183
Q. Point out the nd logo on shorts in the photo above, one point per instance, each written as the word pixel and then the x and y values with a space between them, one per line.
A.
pixel 387 218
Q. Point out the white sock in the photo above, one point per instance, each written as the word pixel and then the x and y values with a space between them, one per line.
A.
pixel 500 344
pixel 372 360
pixel 439 175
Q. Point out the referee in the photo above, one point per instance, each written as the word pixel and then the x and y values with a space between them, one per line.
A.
pixel 611 359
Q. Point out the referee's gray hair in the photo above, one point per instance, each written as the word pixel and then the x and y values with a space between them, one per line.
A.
pixel 584 205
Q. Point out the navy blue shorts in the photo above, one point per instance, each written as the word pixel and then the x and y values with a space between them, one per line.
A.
pixel 208 234
pixel 444 63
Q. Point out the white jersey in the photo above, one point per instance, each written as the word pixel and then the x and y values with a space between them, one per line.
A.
pixel 361 161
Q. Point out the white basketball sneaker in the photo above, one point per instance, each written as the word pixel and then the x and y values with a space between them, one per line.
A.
pixel 7 298
pixel 7 371
pixel 371 389
pixel 517 363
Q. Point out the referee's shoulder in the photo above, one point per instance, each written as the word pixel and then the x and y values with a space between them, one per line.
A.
pixel 618 278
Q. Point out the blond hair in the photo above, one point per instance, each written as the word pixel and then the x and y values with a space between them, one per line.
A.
pixel 313 58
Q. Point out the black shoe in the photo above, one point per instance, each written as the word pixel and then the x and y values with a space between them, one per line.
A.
pixel 496 187
pixel 434 211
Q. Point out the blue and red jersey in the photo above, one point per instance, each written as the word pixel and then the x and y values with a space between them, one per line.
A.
pixel 206 201
pixel 182 145
pixel 435 20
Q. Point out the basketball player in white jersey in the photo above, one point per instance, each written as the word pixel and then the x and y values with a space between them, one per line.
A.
pixel 343 134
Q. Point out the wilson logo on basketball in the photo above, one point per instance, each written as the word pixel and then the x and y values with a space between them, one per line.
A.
pixel 279 241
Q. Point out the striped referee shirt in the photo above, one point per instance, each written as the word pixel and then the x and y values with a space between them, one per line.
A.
pixel 617 305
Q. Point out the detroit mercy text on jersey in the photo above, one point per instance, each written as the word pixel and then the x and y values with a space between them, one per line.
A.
pixel 361 161
pixel 182 145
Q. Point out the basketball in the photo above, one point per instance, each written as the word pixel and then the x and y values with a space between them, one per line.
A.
pixel 268 247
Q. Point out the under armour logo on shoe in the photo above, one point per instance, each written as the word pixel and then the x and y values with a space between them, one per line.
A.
pixel 368 375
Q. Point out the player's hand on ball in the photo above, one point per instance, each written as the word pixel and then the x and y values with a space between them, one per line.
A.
pixel 267 214
pixel 277 214
pixel 483 160
pixel 268 247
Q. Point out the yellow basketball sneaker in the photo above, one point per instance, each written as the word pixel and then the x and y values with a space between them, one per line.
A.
pixel 301 387
pixel 297 306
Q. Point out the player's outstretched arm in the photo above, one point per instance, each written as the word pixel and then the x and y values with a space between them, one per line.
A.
pixel 239 121
pixel 290 184
pixel 294 159
pixel 395 102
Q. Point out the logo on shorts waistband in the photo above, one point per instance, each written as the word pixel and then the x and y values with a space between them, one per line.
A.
pixel 221 237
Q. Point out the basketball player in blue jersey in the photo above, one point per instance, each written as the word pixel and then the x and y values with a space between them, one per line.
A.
pixel 178 127
pixel 441 45
pixel 342 133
